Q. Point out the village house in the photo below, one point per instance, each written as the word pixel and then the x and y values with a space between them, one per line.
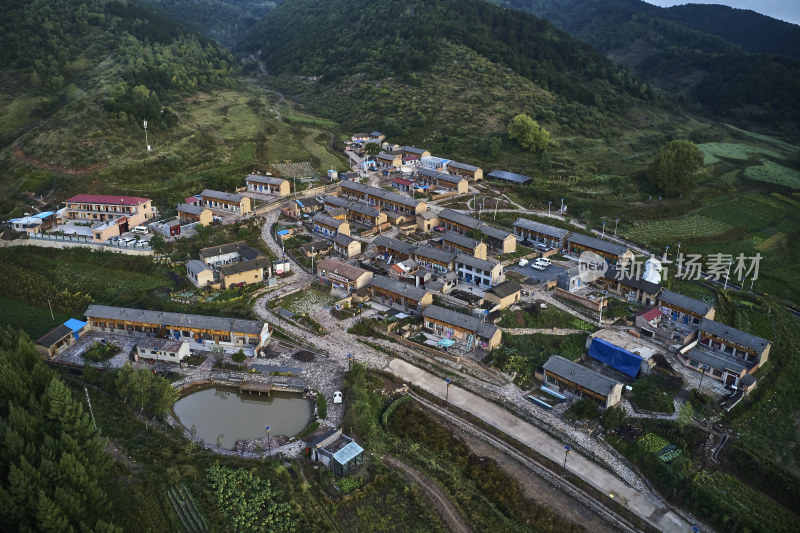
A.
pixel 365 215
pixel 434 163
pixel 461 244
pixel 459 327
pixel 342 275
pixel 402 184
pixel 38 223
pixel 393 250
pixel 313 249
pixel 200 273
pixel 408 151
pixel 537 232
pixel 648 319
pixel 63 336
pixel 478 272
pixel 753 350
pixel 393 293
pixel 346 245
pixel 434 259
pixel 613 253
pixel 440 180
pixel 389 160
pixel 569 377
pixel 569 279
pixel 244 272
pixel 329 226
pixel 167 350
pixel 500 240
pixel 180 326
pixel 386 200
pixel 681 308
pixel 504 295
pixel 268 185
pixel 621 282
pixel 110 215
pixel 224 254
pixel 427 221
pixel 465 171
pixel 377 136
pixel 225 201
pixel 191 214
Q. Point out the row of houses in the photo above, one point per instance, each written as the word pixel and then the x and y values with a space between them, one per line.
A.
pixel 574 243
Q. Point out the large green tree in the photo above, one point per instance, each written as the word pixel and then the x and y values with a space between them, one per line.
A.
pixel 528 133
pixel 51 460
pixel 672 171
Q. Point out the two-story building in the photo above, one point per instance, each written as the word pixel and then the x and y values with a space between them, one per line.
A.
pixel 478 272
pixel 679 307
pixel 268 185
pixel 329 226
pixel 613 253
pixel 537 232
pixel 342 275
pixel 395 293
pixel 225 201
pixel 434 259
pixel 466 329
pixel 109 215
pixel 462 244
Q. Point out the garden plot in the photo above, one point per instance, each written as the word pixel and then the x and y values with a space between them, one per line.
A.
pixel 295 170
pixel 770 172
pixel 692 227
pixel 713 151
pixel 307 302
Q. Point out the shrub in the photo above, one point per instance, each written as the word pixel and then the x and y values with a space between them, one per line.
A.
pixel 584 408
pixel 322 406
pixel 238 357
pixel 101 352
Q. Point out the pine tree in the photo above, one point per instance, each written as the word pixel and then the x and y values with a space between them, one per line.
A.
pixel 49 516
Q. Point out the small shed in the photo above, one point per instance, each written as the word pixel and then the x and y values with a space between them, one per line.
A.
pixel 337 451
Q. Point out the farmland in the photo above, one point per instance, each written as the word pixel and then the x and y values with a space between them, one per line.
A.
pixel 693 227
pixel 712 152
pixel 770 172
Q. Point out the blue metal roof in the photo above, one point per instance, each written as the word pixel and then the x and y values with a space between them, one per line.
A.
pixel 348 453
pixel 283 232
pixel 509 176
pixel 74 324
pixel 43 214
pixel 299 203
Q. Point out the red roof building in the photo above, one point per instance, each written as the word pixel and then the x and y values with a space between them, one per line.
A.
pixel 650 314
pixel 107 199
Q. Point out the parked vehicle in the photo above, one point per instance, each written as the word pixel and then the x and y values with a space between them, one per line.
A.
pixel 523 262
pixel 141 230
pixel 541 264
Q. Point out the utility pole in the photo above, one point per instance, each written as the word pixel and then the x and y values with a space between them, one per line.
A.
pixel 51 309
pixel 146 142
pixel 616 223
pixel 567 449
pixel 496 203
pixel 91 412
pixel 447 393
pixel 269 444
pixel 727 275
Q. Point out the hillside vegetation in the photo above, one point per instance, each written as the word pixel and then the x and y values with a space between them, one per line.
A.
pixel 704 54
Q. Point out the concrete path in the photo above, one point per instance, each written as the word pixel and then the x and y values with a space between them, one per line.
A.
pixel 643 505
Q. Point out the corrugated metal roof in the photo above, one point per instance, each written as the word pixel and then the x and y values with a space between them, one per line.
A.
pixel 509 176
pixel 585 377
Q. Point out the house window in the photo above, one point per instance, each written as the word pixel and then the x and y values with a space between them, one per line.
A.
pixel 717 373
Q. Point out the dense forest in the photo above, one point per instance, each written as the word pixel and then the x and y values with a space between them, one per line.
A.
pixel 703 54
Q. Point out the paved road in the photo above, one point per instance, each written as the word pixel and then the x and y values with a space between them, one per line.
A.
pixel 643 505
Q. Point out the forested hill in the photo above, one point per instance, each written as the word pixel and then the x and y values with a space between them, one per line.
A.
pixel 687 52
pixel 116 55
pixel 407 66
pixel 223 20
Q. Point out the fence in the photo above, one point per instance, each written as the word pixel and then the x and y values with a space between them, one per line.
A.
pixel 78 241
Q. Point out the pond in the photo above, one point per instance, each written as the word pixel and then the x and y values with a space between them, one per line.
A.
pixel 237 416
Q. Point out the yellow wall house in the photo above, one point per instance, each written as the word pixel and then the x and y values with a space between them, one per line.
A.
pixel 462 328
pixel 199 273
pixel 342 275
pixel 180 326
pixel 268 185
pixel 225 201
pixel 244 272
pixel 189 214
pixel 469 172
pixel 570 377
pixel 462 244
pixel 504 295
pixel 401 295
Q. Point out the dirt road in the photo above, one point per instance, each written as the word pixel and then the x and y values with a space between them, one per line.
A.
pixel 450 516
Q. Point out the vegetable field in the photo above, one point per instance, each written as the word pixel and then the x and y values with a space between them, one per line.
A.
pixel 295 170
pixel 693 227
pixel 770 172
pixel 713 151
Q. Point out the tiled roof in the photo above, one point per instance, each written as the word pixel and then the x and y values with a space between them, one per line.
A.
pixel 394 245
pixel 270 180
pixel 714 359
pixel 54 336
pixel 342 239
pixel 191 209
pixel 163 318
pixel 650 314
pixel 364 209
pixel 196 266
pixel 437 254
pixel 598 244
pixel 240 248
pixel 538 227
pixel 414 150
pixel 474 262
pixel 463 166
pixel 398 287
pixel 626 278
pixel 460 218
pixel 322 218
pixel 585 377
pixel 505 289
pixel 337 201
pixel 219 195
pixel 454 318
pixel 342 268
pixel 108 199
pixel 461 240
pixel 495 233
pixel 684 302
pixel 737 336
pixel 245 266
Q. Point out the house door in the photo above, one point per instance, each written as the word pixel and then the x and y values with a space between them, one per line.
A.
pixel 730 379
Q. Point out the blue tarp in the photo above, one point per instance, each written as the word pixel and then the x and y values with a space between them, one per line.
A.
pixel 75 325
pixel 446 343
pixel 615 357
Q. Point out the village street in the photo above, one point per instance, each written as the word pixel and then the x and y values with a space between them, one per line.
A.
pixel 590 459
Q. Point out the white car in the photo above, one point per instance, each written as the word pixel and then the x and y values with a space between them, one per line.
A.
pixel 541 264
pixel 337 397
pixel 523 262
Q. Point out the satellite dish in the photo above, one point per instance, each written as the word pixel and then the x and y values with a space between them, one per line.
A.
pixel 652 270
